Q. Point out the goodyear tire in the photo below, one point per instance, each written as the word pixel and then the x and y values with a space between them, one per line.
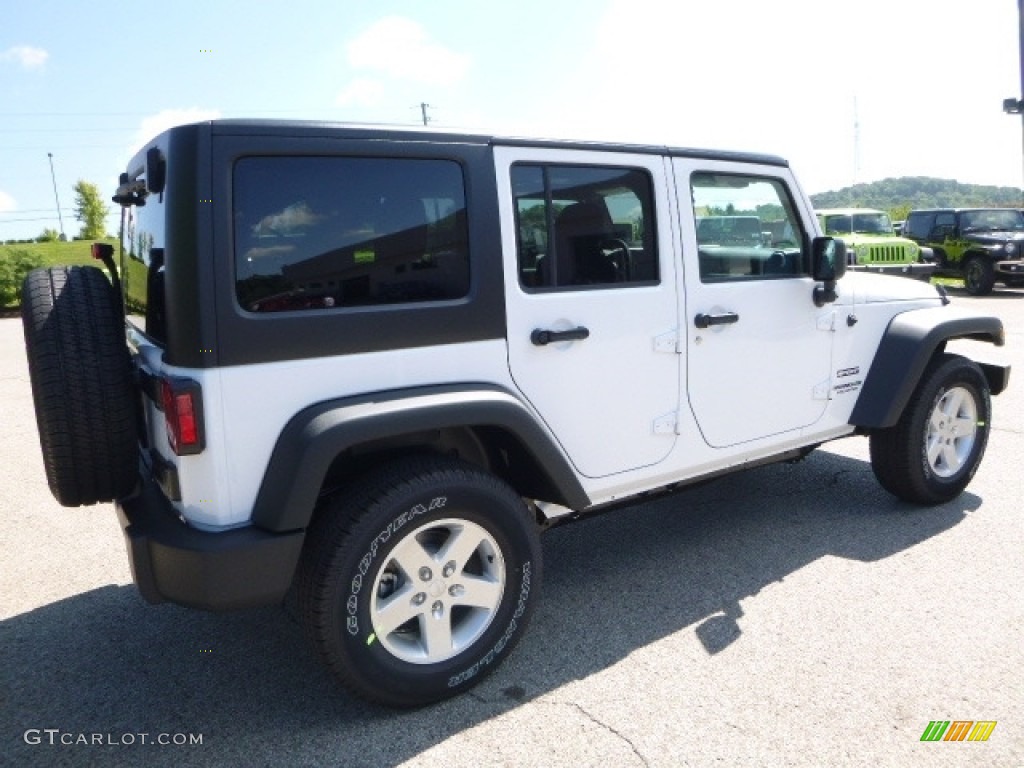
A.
pixel 418 581
pixel 979 276
pixel 81 384
pixel 930 455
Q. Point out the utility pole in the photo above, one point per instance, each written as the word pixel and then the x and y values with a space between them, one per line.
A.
pixel 856 140
pixel 424 106
pixel 60 218
pixel 1015 106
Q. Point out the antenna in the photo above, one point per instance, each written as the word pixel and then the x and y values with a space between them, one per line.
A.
pixel 856 140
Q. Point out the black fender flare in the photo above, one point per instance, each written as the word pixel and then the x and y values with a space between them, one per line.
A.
pixel 904 351
pixel 315 436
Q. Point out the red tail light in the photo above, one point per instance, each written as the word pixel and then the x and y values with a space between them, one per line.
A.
pixel 182 401
pixel 102 251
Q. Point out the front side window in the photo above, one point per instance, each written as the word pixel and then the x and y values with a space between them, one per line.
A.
pixel 747 228
pixel 584 226
pixel 333 232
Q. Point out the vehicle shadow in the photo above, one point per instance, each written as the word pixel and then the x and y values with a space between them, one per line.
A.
pixel 103 662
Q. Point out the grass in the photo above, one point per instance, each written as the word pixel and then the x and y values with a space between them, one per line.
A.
pixel 56 254
pixel 17 259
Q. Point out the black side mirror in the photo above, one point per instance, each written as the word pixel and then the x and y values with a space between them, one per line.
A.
pixel 828 264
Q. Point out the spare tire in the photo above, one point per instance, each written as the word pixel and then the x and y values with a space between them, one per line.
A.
pixel 82 384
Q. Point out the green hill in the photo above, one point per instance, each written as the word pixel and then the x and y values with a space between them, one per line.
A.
pixel 899 195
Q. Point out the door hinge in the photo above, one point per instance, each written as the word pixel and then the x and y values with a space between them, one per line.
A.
pixel 667 342
pixel 667 424
pixel 827 321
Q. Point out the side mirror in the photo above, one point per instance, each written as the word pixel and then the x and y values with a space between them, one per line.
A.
pixel 828 264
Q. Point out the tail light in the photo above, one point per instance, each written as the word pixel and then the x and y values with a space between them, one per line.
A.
pixel 182 401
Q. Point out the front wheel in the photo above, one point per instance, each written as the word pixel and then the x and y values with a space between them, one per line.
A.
pixel 419 580
pixel 979 276
pixel 930 455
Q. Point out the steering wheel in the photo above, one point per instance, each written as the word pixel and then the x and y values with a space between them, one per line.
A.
pixel 622 265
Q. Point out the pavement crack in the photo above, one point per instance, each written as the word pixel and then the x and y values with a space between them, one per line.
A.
pixel 611 730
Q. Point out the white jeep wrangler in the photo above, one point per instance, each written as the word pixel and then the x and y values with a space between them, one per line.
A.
pixel 367 367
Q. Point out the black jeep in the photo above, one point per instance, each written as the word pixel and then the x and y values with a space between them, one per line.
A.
pixel 981 245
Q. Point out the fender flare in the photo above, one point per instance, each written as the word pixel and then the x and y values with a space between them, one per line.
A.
pixel 903 352
pixel 315 436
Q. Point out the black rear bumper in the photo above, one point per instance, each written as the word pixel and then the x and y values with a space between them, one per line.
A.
pixel 216 571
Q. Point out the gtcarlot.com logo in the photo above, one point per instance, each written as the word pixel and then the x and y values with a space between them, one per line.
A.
pixel 958 730
pixel 56 737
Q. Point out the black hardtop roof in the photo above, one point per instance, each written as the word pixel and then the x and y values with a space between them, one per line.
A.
pixel 315 129
pixel 965 210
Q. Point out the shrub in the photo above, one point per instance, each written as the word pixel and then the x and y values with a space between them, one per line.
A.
pixel 14 265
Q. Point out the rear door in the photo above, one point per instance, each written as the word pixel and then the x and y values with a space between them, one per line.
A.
pixel 758 350
pixel 591 300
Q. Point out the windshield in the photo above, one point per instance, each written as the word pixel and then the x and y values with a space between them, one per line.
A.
pixel 861 223
pixel 1002 220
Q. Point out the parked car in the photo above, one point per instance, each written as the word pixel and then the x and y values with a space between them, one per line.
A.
pixel 362 369
pixel 871 244
pixel 981 245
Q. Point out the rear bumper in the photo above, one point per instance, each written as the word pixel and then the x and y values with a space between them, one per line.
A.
pixel 216 571
pixel 920 270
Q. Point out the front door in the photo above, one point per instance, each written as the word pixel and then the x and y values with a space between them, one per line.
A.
pixel 591 301
pixel 758 350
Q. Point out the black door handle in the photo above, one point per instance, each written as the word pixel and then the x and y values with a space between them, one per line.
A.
pixel 726 318
pixel 541 337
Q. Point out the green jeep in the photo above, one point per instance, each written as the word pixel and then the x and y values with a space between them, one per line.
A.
pixel 871 244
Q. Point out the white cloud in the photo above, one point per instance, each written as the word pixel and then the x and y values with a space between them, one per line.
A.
pixel 26 56
pixel 399 47
pixel 7 203
pixel 361 92
pixel 156 124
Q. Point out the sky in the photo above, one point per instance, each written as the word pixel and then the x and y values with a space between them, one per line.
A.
pixel 848 92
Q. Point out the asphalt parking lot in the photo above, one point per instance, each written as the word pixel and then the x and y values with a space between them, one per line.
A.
pixel 794 615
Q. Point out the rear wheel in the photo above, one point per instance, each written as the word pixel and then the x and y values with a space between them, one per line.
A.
pixel 930 455
pixel 82 384
pixel 979 276
pixel 419 580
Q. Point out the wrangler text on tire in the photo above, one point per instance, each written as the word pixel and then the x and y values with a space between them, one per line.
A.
pixel 419 579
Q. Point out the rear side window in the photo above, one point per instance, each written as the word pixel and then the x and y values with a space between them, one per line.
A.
pixel 333 232
pixel 919 225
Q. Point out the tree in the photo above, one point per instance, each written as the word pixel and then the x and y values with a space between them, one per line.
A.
pixel 90 210
pixel 49 235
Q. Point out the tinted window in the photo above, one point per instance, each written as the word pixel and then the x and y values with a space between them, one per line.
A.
pixel 919 225
pixel 142 266
pixel 583 226
pixel 747 228
pixel 322 233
